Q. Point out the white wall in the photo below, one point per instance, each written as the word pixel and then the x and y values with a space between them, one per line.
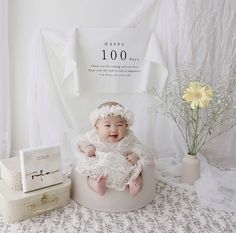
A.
pixel 26 16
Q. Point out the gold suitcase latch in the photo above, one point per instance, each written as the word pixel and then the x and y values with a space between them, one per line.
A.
pixel 44 198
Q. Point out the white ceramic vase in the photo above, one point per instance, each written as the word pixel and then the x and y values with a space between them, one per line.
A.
pixel 190 171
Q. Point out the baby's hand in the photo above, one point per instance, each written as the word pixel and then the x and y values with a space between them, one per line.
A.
pixel 132 158
pixel 89 150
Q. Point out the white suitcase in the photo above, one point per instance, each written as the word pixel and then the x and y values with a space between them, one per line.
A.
pixel 17 205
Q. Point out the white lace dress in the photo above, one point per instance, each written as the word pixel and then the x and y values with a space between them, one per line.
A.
pixel 110 159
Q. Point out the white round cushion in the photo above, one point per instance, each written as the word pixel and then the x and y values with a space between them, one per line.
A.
pixel 113 200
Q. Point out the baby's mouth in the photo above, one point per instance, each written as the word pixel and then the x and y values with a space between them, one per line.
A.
pixel 114 136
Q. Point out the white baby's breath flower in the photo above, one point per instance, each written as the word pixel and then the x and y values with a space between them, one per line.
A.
pixel 199 115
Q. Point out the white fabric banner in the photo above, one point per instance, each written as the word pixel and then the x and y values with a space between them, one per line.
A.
pixel 112 60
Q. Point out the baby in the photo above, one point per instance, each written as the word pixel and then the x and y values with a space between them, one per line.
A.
pixel 110 155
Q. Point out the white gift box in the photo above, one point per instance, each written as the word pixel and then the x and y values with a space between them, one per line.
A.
pixel 40 167
pixel 11 172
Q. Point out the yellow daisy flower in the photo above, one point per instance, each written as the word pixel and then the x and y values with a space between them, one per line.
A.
pixel 198 94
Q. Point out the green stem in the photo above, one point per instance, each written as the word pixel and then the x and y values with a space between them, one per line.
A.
pixel 194 149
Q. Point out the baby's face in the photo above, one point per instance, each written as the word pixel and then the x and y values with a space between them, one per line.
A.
pixel 111 129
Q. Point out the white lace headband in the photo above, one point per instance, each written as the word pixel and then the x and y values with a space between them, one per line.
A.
pixel 114 110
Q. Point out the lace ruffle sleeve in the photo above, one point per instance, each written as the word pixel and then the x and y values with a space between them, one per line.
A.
pixel 81 139
pixel 89 138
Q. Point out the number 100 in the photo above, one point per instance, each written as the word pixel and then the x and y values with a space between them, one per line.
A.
pixel 113 55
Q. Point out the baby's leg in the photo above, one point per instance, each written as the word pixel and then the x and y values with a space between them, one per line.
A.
pixel 135 185
pixel 97 185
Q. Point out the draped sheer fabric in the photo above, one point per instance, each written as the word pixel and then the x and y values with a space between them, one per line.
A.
pixel 4 82
pixel 198 32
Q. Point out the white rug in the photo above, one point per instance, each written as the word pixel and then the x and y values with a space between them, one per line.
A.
pixel 172 210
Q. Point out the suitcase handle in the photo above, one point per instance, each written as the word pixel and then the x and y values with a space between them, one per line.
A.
pixel 39 211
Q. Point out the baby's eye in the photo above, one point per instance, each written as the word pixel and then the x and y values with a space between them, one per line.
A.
pixel 119 125
pixel 107 126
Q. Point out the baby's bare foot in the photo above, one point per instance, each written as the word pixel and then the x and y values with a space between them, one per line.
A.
pixel 101 185
pixel 135 186
pixel 98 185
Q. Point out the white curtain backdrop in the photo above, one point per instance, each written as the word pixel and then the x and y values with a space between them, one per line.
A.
pixel 4 82
pixel 199 32
pixel 202 34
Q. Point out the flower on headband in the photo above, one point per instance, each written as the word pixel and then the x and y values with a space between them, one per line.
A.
pixel 113 110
